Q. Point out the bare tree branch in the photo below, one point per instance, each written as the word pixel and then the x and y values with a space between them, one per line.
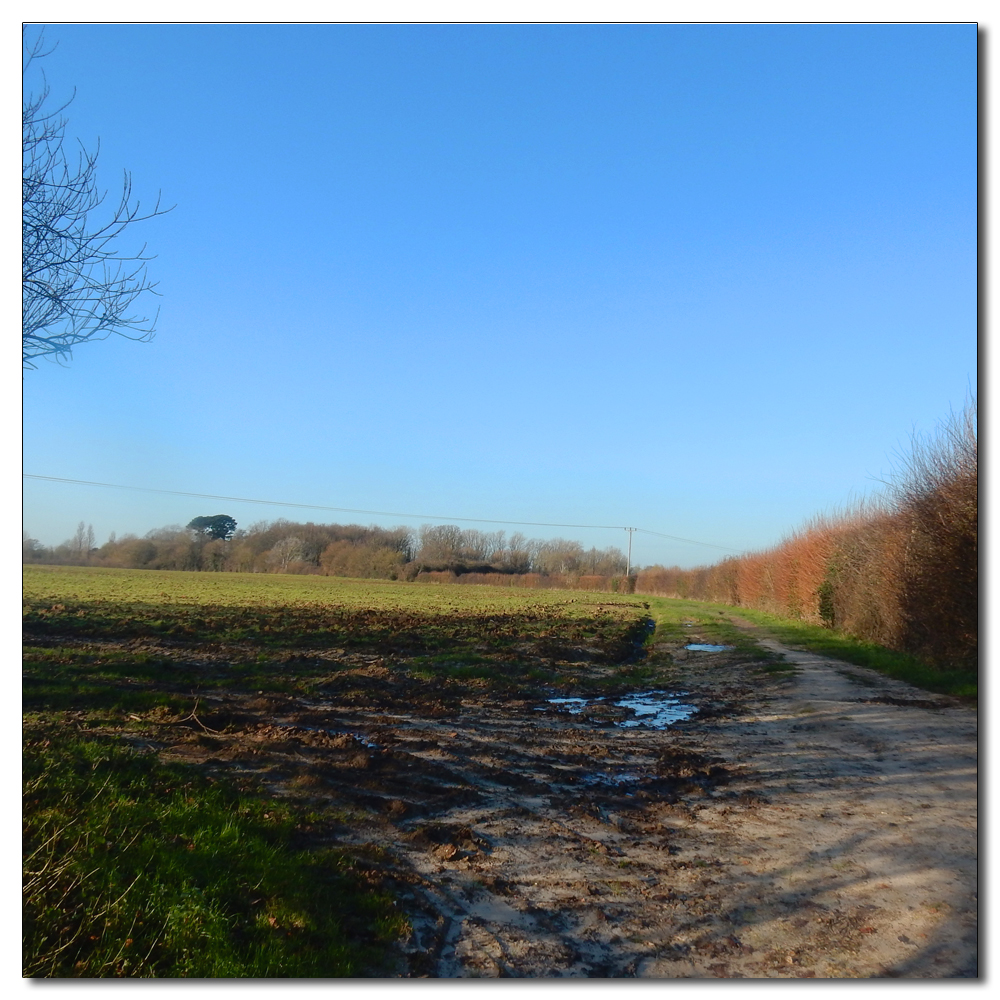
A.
pixel 76 285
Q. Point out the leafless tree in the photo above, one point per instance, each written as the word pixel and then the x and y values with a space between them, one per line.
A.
pixel 83 541
pixel 76 286
pixel 286 551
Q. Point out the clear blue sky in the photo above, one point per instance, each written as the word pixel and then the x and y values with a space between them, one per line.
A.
pixel 705 280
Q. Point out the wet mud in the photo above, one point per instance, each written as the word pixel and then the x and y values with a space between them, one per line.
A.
pixel 811 822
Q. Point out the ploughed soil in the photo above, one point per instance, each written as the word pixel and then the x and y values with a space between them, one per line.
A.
pixel 810 819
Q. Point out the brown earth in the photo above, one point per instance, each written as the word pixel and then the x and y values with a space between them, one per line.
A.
pixel 816 822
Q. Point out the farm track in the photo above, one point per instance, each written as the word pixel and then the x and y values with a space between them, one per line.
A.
pixel 820 824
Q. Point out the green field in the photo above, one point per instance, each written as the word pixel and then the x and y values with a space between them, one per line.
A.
pixel 140 868
pixel 173 589
pixel 283 611
pixel 148 856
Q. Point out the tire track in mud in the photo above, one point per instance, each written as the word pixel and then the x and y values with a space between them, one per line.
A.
pixel 843 843
pixel 814 825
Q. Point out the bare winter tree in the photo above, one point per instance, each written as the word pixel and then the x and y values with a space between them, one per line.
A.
pixel 76 286
pixel 286 551
pixel 83 541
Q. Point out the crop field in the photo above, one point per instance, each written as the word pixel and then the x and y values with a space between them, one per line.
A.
pixel 209 860
pixel 275 776
pixel 291 611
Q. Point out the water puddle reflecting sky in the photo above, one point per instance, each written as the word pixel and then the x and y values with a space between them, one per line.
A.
pixel 707 647
pixel 603 778
pixel 573 705
pixel 656 709
pixel 653 709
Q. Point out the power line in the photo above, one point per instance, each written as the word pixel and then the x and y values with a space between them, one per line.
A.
pixel 675 538
pixel 378 513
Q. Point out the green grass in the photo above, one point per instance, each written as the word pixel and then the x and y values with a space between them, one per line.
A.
pixel 180 594
pixel 269 614
pixel 823 641
pixel 148 639
pixel 679 620
pixel 140 869
pixel 59 679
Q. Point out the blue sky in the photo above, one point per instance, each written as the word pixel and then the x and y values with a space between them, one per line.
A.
pixel 706 280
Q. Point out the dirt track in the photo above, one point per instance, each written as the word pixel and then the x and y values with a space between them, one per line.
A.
pixel 816 824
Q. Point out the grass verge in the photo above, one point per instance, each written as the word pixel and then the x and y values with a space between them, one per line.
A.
pixel 840 646
pixel 697 621
pixel 135 868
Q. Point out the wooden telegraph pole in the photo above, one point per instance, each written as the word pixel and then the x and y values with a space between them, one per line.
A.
pixel 628 561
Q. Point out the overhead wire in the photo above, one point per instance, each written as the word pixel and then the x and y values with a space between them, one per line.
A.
pixel 377 513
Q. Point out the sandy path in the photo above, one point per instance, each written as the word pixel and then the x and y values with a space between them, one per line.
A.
pixel 814 824
pixel 841 844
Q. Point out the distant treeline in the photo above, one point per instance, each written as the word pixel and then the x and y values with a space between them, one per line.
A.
pixel 900 570
pixel 442 552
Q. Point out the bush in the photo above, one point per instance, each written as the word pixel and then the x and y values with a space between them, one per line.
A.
pixel 900 570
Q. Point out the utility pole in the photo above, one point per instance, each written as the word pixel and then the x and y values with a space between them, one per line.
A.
pixel 628 562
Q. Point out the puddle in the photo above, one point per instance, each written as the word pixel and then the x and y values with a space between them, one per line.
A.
pixel 361 738
pixel 707 647
pixel 603 778
pixel 654 709
pixel 573 705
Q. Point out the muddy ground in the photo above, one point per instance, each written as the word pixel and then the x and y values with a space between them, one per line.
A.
pixel 814 821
